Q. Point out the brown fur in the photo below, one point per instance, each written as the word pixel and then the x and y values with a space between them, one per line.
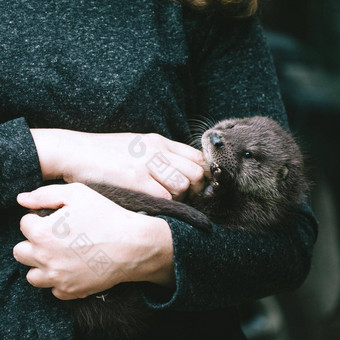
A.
pixel 258 182
pixel 262 177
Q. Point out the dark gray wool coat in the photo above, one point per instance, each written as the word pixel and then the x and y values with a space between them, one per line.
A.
pixel 140 66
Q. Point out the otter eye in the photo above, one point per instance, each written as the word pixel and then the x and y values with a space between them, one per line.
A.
pixel 247 155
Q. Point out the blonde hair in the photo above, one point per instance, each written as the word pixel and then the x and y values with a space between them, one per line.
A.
pixel 238 8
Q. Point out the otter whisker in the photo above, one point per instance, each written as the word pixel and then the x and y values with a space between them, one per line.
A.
pixel 211 120
pixel 204 122
pixel 194 141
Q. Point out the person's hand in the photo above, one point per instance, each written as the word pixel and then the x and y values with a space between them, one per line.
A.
pixel 147 163
pixel 90 243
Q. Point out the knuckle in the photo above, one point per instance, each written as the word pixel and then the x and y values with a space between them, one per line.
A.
pixel 53 276
pixel 181 186
pixel 38 196
pixel 43 257
pixel 38 235
pixel 68 290
pixel 59 294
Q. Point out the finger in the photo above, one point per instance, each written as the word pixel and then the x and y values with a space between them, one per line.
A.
pixel 167 176
pixel 40 229
pixel 186 151
pixel 172 180
pixel 59 294
pixel 30 224
pixel 23 253
pixel 51 196
pixel 207 173
pixel 38 278
pixel 191 170
pixel 154 188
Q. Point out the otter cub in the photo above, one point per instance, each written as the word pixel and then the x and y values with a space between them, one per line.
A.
pixel 257 181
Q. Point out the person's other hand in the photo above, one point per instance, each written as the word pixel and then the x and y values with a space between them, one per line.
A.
pixel 90 243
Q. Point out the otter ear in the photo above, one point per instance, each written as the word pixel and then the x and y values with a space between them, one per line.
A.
pixel 283 172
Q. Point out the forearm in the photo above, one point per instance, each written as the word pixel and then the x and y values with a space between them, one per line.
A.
pixel 71 155
pixel 51 151
pixel 59 151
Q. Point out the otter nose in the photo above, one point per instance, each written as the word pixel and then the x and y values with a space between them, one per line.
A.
pixel 216 141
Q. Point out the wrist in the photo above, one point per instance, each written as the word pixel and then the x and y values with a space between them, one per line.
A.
pixel 51 151
pixel 154 243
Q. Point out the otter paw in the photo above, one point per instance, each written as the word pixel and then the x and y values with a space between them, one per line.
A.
pixel 214 167
pixel 215 171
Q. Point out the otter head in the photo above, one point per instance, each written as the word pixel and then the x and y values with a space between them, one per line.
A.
pixel 253 155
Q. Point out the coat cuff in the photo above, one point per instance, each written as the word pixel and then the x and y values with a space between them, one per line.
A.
pixel 160 298
pixel 19 162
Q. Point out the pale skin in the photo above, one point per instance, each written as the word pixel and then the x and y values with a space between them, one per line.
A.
pixel 139 247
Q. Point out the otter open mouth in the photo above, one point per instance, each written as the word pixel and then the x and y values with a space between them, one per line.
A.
pixel 214 184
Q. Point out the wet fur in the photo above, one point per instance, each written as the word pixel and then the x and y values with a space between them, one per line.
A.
pixel 254 194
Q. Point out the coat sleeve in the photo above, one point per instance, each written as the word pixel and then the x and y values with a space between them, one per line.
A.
pixel 235 77
pixel 19 162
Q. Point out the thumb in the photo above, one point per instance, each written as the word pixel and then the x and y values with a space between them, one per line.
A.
pixel 51 196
